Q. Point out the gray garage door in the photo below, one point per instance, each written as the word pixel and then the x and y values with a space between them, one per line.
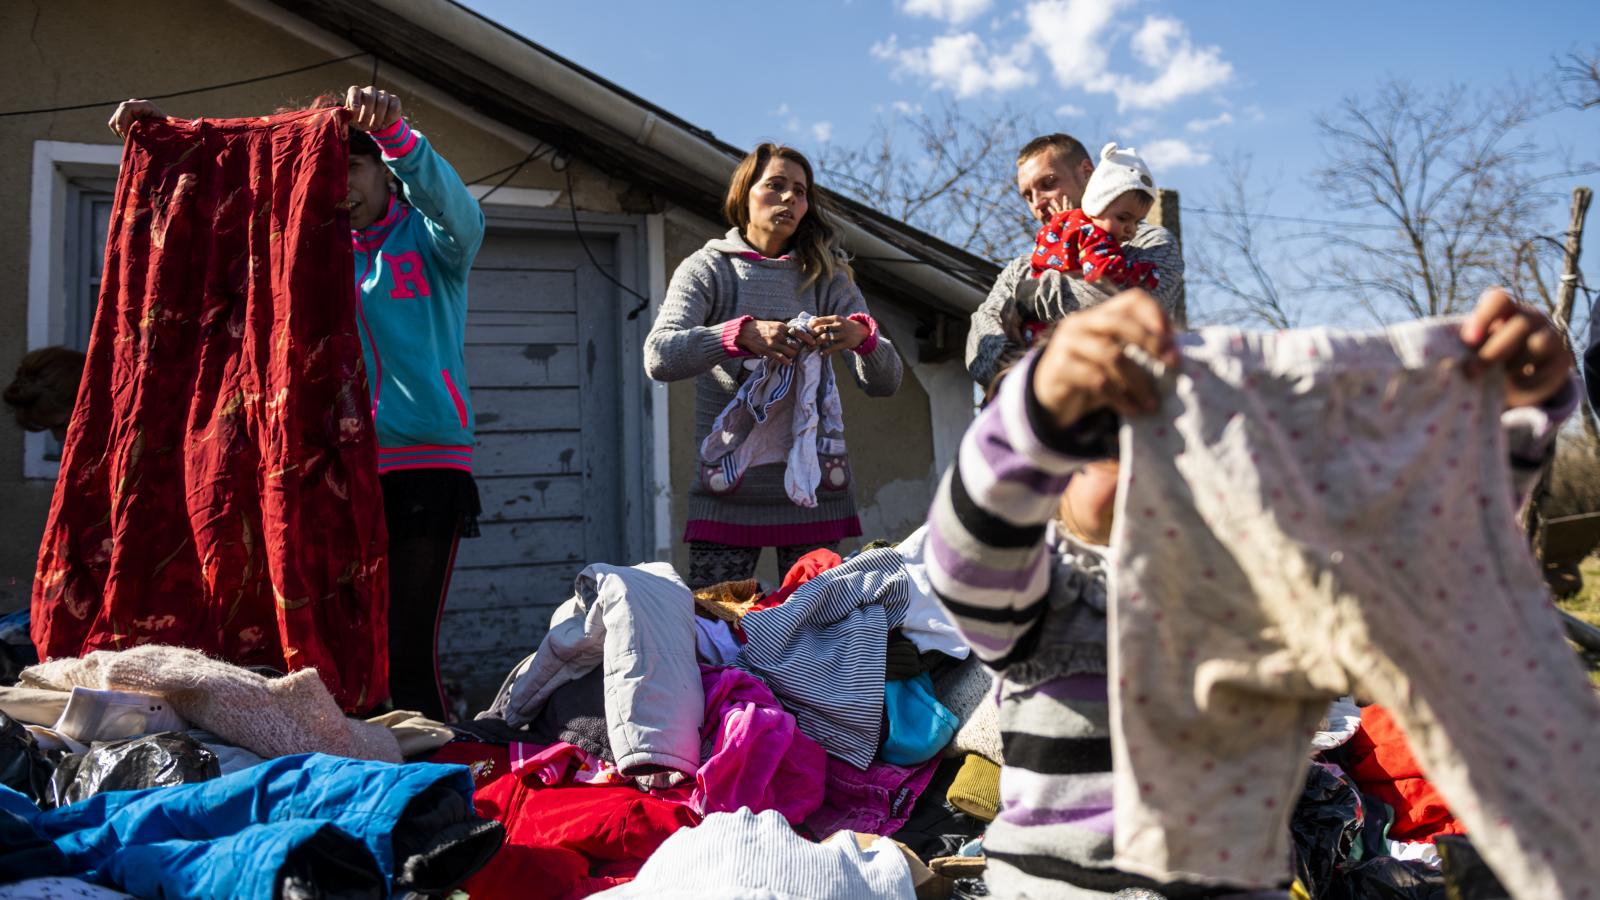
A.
pixel 544 366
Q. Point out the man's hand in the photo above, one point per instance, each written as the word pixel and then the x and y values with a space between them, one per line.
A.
pixel 370 108
pixel 1084 367
pixel 130 111
pixel 1501 330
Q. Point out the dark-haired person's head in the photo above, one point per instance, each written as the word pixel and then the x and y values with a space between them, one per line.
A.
pixel 1052 166
pixel 371 182
pixel 41 395
pixel 773 187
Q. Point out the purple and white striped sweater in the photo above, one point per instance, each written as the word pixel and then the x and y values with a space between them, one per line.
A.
pixel 1031 602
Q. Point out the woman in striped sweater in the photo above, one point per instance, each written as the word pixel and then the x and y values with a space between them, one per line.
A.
pixel 1017 539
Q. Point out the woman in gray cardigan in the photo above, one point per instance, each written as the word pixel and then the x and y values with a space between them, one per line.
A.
pixel 729 302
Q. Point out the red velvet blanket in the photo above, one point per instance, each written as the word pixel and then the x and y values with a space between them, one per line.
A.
pixel 219 484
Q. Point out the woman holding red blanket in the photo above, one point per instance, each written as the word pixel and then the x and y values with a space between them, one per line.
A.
pixel 415 230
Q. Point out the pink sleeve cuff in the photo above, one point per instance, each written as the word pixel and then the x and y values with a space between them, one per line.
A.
pixel 871 343
pixel 397 140
pixel 730 336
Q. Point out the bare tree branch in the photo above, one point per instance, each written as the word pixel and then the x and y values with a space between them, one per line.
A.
pixel 1461 187
pixel 1229 257
pixel 947 171
pixel 1580 78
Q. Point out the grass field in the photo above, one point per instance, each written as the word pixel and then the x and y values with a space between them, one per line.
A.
pixel 1586 606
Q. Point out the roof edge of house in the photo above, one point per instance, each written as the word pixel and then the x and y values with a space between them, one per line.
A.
pixel 868 233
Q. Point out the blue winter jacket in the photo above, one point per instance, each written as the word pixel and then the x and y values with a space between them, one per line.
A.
pixel 411 280
pixel 231 837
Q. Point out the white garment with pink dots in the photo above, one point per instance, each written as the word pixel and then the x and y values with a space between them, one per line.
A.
pixel 1312 514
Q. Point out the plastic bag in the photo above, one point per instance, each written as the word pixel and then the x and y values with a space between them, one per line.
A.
pixel 1332 861
pixel 16 647
pixel 1465 871
pixel 1387 878
pixel 155 760
pixel 23 766
pixel 1327 821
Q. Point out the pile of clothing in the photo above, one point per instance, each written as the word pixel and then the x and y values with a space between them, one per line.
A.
pixel 159 771
pixel 1369 823
pixel 652 726
pixel 836 730
pixel 826 705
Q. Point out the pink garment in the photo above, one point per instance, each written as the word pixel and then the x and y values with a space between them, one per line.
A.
pixel 759 757
pixel 875 801
pixel 563 763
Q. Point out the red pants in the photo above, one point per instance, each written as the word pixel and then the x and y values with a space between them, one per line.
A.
pixel 219 484
pixel 561 842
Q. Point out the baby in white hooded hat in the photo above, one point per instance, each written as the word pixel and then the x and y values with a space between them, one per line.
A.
pixel 1088 241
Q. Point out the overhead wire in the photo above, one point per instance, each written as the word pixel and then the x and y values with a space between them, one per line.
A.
pixel 510 171
pixel 43 110
pixel 572 206
pixel 1327 223
pixel 536 153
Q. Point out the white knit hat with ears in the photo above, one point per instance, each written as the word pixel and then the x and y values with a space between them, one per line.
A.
pixel 1120 171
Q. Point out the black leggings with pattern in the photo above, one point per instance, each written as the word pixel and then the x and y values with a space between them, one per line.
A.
pixel 711 563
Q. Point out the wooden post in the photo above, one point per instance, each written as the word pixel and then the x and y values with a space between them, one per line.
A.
pixel 1566 297
pixel 1165 213
pixel 1567 293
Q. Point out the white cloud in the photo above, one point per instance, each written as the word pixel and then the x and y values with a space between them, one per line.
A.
pixel 1081 40
pixel 1255 113
pixel 822 131
pixel 953 11
pixel 1182 69
pixel 1200 126
pixel 906 108
pixel 960 63
pixel 1173 153
pixel 1073 35
pixel 1068 111
pixel 782 110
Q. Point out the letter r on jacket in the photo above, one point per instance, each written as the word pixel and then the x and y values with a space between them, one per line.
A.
pixel 409 279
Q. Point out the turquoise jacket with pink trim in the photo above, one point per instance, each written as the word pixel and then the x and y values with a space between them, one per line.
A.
pixel 411 293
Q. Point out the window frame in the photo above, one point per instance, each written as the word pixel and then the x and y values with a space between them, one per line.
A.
pixel 54 276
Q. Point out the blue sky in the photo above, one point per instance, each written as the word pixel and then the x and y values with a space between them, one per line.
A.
pixel 1240 76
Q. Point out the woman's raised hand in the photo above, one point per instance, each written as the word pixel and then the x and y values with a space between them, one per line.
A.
pixel 1085 366
pixel 130 111
pixel 370 108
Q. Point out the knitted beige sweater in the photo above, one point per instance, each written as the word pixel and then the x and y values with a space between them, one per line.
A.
pixel 270 717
